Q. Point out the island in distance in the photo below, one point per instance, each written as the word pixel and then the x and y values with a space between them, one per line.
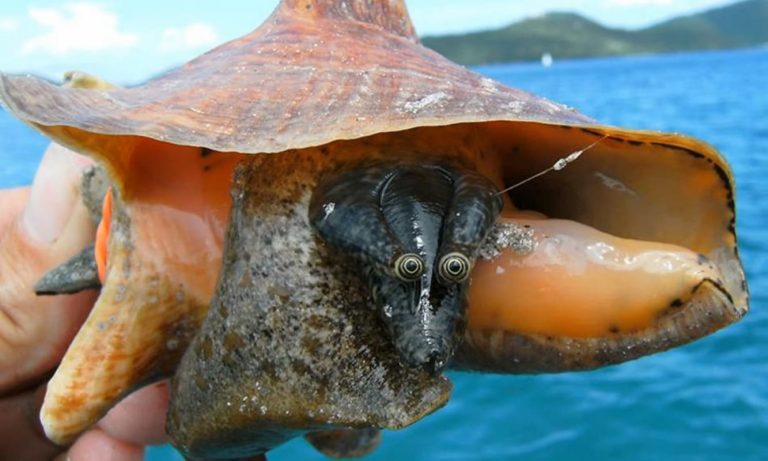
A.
pixel 568 35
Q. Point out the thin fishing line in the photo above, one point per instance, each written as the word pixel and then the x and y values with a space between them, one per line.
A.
pixel 559 165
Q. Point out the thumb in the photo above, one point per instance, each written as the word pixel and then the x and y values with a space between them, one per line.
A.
pixel 52 226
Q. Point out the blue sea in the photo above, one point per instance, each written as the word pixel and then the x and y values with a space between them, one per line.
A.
pixel 706 401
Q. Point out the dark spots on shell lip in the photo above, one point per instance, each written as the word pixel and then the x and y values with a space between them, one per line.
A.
pixel 614 329
pixel 676 303
pixel 205 152
pixel 701 259
pixel 635 143
pixel 717 284
pixel 690 152
pixel 592 132
pixel 718 170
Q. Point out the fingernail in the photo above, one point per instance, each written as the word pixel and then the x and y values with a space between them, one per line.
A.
pixel 54 194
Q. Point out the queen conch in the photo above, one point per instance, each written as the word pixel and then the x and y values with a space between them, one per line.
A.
pixel 307 224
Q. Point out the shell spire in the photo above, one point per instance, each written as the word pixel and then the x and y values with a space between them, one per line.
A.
pixel 391 15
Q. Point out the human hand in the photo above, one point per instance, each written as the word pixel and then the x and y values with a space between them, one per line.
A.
pixel 41 227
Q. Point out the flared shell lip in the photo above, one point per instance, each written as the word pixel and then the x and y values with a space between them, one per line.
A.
pixel 187 136
pixel 295 82
pixel 272 146
pixel 300 81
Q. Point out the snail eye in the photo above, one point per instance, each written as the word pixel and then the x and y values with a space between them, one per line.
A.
pixel 454 267
pixel 409 267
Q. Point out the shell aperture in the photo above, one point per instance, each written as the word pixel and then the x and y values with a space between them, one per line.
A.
pixel 438 215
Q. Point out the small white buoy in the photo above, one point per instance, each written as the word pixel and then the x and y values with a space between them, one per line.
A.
pixel 546 60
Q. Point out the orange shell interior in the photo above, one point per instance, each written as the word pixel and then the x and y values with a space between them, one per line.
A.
pixel 509 293
pixel 102 236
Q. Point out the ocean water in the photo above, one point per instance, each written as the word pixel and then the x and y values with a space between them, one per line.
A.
pixel 704 401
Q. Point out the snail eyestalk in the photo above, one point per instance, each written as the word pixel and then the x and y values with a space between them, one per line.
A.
pixel 409 267
pixel 454 267
pixel 429 221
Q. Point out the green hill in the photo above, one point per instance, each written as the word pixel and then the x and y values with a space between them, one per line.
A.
pixel 742 24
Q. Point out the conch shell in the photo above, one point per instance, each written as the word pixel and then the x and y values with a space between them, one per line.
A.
pixel 320 84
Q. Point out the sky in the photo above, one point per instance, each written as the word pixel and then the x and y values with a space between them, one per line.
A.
pixel 127 42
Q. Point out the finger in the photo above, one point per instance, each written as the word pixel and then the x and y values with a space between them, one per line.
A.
pixel 53 226
pixel 97 445
pixel 140 417
pixel 21 435
pixel 12 204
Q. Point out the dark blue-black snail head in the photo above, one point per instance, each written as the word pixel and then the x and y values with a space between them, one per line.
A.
pixel 415 229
